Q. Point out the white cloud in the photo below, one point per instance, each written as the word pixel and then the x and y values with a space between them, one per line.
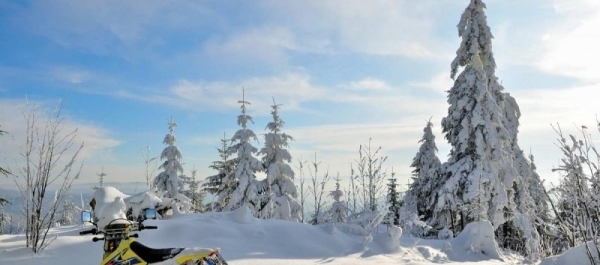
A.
pixel 268 44
pixel 368 83
pixel 98 143
pixel 439 83
pixel 376 27
pixel 571 48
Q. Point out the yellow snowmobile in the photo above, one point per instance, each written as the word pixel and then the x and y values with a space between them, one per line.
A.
pixel 121 248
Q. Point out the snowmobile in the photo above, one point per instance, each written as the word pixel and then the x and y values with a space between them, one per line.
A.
pixel 121 248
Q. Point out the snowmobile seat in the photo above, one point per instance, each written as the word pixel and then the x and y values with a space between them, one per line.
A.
pixel 151 255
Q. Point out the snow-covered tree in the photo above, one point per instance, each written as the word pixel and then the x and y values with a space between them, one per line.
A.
pixel 279 193
pixel 393 200
pixel 370 176
pixel 479 172
pixel 246 189
pixel 69 211
pixel 214 184
pixel 40 166
pixel 576 203
pixel 192 191
pixel 168 181
pixel 101 178
pixel 338 210
pixel 303 192
pixel 317 190
pixel 422 196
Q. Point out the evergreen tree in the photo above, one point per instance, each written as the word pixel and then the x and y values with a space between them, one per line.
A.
pixel 279 192
pixel 339 211
pixel 246 189
pixel 214 184
pixel 169 179
pixel 422 195
pixel 393 200
pixel 69 209
pixel 479 172
pixel 101 178
pixel 194 193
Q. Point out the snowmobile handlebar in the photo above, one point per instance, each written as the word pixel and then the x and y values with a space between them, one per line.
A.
pixel 91 231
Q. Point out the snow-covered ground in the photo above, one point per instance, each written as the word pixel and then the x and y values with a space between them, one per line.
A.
pixel 244 239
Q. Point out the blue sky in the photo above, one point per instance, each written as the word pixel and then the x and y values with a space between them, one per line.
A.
pixel 344 72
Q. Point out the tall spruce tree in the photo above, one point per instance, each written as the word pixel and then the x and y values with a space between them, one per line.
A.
pixel 422 195
pixel 279 193
pixel 168 180
pixel 479 171
pixel 487 173
pixel 246 189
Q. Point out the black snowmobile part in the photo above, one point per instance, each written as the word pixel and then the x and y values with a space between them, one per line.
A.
pixel 152 255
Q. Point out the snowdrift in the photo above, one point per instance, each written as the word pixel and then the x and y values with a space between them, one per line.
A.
pixel 574 256
pixel 244 239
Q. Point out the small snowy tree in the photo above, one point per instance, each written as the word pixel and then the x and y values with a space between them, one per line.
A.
pixel 339 211
pixel 279 193
pixel 317 189
pixel 101 178
pixel 168 180
pixel 576 206
pixel 192 191
pixel 393 200
pixel 370 176
pixel 214 184
pixel 246 190
pixel 68 211
pixel 303 192
pixel 422 196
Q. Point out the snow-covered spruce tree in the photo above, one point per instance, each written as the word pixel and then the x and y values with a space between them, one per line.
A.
pixel 279 192
pixel 393 200
pixel 486 174
pixel 168 181
pixel 479 172
pixel 214 184
pixel 338 210
pixel 245 190
pixel 192 191
pixel 422 195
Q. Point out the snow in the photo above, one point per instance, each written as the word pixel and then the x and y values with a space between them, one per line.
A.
pixel 574 256
pixel 137 202
pixel 244 239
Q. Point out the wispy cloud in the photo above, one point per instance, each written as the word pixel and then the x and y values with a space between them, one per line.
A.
pixel 97 140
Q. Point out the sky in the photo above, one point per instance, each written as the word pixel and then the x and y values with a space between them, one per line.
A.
pixel 345 73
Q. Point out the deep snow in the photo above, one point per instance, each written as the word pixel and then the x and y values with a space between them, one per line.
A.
pixel 244 239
